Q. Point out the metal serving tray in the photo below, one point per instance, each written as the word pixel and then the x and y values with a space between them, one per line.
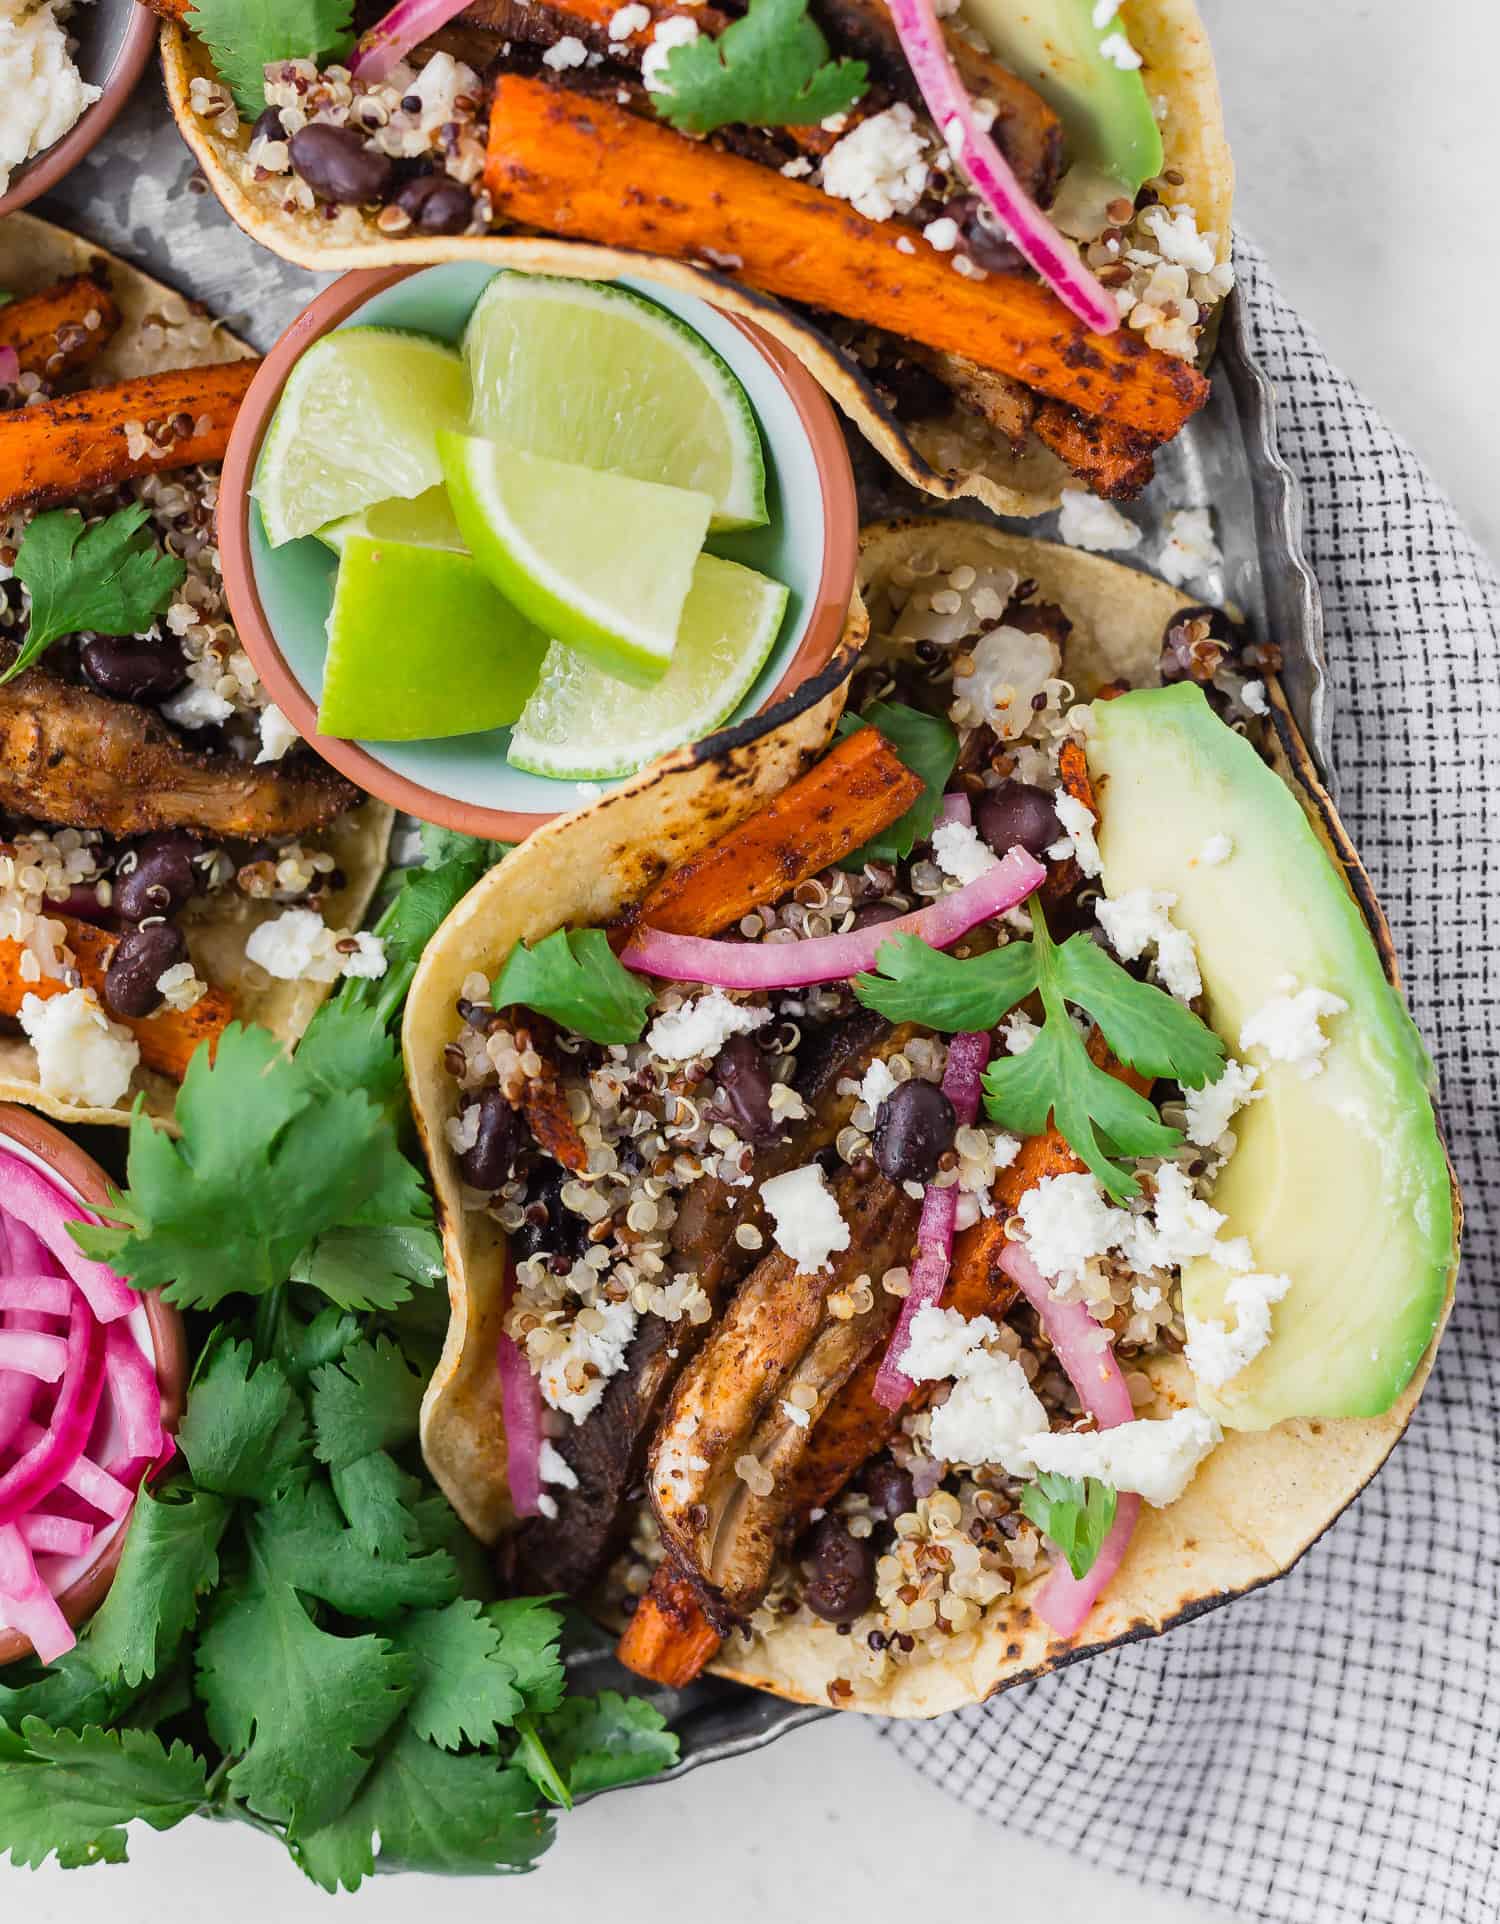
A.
pixel 138 195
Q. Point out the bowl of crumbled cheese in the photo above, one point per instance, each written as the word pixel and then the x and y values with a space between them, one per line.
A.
pixel 66 70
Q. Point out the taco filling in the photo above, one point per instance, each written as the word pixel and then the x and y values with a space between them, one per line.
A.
pixel 171 856
pixel 979 215
pixel 874 1254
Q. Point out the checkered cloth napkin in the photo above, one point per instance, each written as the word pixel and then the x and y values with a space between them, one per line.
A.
pixel 1326 1748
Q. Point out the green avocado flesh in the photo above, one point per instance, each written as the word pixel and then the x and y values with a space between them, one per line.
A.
pixel 1339 1179
pixel 1053 45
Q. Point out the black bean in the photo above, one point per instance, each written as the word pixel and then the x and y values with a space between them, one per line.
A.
pixel 842 1585
pixel 873 913
pixel 549 1226
pixel 437 204
pixel 134 670
pixel 269 126
pixel 889 1488
pixel 1016 814
pixel 142 956
pixel 745 1090
pixel 913 1126
pixel 491 1157
pixel 162 877
pixel 338 166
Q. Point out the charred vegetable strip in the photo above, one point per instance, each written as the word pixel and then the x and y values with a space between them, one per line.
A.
pixel 859 788
pixel 1065 876
pixel 51 330
pixel 167 1038
pixel 668 1639
pixel 1116 461
pixel 58 450
pixel 591 171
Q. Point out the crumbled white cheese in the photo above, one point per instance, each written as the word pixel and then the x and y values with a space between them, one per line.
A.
pixel 1255 698
pixel 591 1356
pixel 1216 850
pixel 1142 919
pixel 798 167
pixel 676 32
pixel 1078 840
pixel 794 1415
pixel 1180 1227
pixel 1175 231
pixel 43 91
pixel 1118 51
pixel 567 52
pixel 991 1405
pixel 1145 1297
pixel 1287 1026
pixel 941 233
pixel 1018 1032
pixel 808 1224
pixel 1188 551
pixel 81 1056
pixel 197 707
pixel 700 1028
pixel 1010 668
pixel 881 167
pixel 298 946
pixel 1084 521
pixel 277 734
pixel 554 1467
pixel 959 851
pixel 878 1083
pixel 1216 1354
pixel 1104 12
pixel 1156 1460
pixel 628 20
pixel 1211 1108
pixel 1068 1221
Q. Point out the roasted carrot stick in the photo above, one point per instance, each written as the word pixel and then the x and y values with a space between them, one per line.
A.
pixel 1072 765
pixel 668 1639
pixel 167 1038
pixel 861 787
pixel 60 449
pixel 1115 461
pixel 589 170
pixel 60 328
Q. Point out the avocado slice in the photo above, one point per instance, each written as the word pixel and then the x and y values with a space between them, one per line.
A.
pixel 1339 1179
pixel 1108 125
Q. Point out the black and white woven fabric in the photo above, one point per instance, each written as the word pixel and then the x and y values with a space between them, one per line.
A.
pixel 1326 1749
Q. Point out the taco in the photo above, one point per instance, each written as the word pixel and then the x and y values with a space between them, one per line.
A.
pixel 542 136
pixel 1018 1226
pixel 173 858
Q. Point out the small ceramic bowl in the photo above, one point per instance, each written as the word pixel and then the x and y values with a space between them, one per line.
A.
pixel 156 1327
pixel 115 39
pixel 280 597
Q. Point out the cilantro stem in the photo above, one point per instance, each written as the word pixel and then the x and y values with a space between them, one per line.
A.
pixel 270 1323
pixel 543 1772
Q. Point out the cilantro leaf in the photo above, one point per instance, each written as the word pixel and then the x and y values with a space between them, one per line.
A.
pixel 368 1401
pixel 430 1811
pixel 244 1432
pixel 439 1527
pixel 1074 1514
pixel 70 1793
pixel 529 1633
pixel 1144 1026
pixel 244 35
pixel 375 1495
pixel 376 1267
pixel 303 1541
pixel 66 1694
pixel 598 1742
pixel 346 1049
pixel 917 983
pixel 307 1346
pixel 768 69
pixel 445 847
pixel 169 1563
pixel 300 1707
pixel 465 1692
pixel 928 745
pixel 110 580
pixel 573 976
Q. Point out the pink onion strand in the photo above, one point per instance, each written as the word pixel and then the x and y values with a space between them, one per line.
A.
pixel 47 1212
pixel 26 1603
pixel 394 35
pixel 33 1354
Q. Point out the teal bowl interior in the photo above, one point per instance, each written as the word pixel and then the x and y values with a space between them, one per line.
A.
pixel 295 581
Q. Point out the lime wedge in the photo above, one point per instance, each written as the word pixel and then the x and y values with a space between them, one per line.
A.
pixel 585 725
pixel 426 521
pixel 587 372
pixel 421 645
pixel 598 561
pixel 355 424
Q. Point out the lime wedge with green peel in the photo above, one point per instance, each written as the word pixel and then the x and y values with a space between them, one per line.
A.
pixel 598 561
pixel 426 521
pixel 586 726
pixel 587 372
pixel 420 644
pixel 356 424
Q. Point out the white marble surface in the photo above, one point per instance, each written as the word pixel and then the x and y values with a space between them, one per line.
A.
pixel 1364 134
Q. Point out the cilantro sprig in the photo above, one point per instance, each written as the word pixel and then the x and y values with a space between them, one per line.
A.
pixel 110 579
pixel 1100 1116
pixel 1074 1514
pixel 574 977
pixel 770 68
pixel 245 36
pixel 928 745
